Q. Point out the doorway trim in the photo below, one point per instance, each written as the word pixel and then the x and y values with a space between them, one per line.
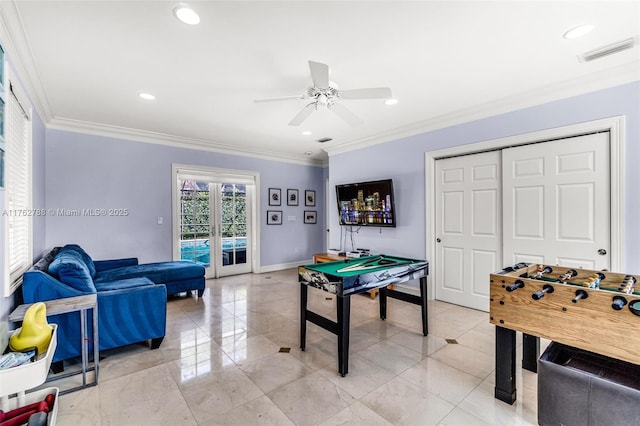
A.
pixel 615 127
pixel 228 174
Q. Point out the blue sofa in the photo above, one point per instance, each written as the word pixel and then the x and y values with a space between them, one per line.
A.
pixel 132 298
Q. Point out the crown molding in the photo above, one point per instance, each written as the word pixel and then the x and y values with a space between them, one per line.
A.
pixel 84 127
pixel 593 82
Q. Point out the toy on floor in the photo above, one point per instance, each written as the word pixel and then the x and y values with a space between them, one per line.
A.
pixel 35 331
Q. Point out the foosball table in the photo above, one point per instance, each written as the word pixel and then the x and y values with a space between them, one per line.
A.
pixel 592 310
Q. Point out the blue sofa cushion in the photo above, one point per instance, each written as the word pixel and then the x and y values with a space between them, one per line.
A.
pixel 159 273
pixel 88 261
pixel 123 284
pixel 69 266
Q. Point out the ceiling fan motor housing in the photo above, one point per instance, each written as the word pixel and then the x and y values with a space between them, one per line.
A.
pixel 317 92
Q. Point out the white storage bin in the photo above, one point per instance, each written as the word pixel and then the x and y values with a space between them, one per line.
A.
pixel 37 396
pixel 30 375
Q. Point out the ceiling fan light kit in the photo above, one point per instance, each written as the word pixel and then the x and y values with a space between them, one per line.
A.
pixel 324 93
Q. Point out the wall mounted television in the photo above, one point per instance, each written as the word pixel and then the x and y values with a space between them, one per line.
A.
pixel 366 203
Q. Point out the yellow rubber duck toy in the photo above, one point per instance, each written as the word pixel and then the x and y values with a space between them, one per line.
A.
pixel 35 331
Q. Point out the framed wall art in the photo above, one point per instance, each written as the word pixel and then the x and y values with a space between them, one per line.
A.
pixel 275 197
pixel 309 197
pixel 292 197
pixel 274 217
pixel 310 216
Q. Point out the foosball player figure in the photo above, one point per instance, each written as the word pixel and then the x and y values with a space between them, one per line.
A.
pixel 593 281
pixel 628 285
pixel 567 275
pixel 540 271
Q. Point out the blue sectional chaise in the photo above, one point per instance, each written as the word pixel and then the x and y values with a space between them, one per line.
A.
pixel 132 298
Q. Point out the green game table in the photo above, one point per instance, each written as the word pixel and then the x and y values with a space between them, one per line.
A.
pixel 345 278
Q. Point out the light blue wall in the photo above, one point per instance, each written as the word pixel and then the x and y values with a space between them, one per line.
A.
pixel 95 172
pixel 403 161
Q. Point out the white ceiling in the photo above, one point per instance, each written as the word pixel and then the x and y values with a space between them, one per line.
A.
pixel 84 62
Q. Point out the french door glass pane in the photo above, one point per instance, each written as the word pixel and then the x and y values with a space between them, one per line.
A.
pixel 195 228
pixel 233 223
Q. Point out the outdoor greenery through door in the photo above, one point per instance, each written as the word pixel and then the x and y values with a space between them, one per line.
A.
pixel 213 226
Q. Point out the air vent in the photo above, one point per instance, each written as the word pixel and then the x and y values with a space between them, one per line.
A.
pixel 607 50
pixel 323 140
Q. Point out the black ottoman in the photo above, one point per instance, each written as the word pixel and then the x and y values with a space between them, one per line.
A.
pixel 577 387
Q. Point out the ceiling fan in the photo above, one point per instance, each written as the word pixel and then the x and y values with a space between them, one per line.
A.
pixel 322 93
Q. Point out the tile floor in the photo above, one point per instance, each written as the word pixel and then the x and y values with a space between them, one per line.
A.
pixel 220 364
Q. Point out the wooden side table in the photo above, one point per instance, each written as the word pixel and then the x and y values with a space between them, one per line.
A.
pixel 326 257
pixel 64 306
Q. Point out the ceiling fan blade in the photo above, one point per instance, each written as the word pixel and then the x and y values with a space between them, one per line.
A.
pixel 370 93
pixel 319 74
pixel 281 98
pixel 303 114
pixel 346 114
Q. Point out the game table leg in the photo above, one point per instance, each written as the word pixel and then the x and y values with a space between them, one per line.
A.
pixel 423 296
pixel 505 387
pixel 382 296
pixel 530 352
pixel 343 314
pixel 421 301
pixel 303 316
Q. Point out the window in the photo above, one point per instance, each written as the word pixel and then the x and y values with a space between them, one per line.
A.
pixel 17 211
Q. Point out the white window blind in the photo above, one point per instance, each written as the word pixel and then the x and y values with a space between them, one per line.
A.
pixel 18 188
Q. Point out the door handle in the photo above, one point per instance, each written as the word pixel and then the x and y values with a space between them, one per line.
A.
pixel 602 252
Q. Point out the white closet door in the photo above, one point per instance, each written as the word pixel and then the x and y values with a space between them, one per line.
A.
pixel 468 228
pixel 556 202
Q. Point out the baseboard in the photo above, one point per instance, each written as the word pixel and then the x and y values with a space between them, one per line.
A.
pixel 283 266
pixel 408 289
pixel 415 290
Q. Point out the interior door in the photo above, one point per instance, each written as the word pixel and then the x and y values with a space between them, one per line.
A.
pixel 549 201
pixel 468 228
pixel 556 202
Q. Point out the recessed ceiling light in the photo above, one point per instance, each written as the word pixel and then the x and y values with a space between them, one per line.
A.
pixel 578 31
pixel 186 14
pixel 306 133
pixel 391 101
pixel 147 96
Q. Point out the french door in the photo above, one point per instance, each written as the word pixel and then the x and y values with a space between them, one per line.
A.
pixel 213 221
